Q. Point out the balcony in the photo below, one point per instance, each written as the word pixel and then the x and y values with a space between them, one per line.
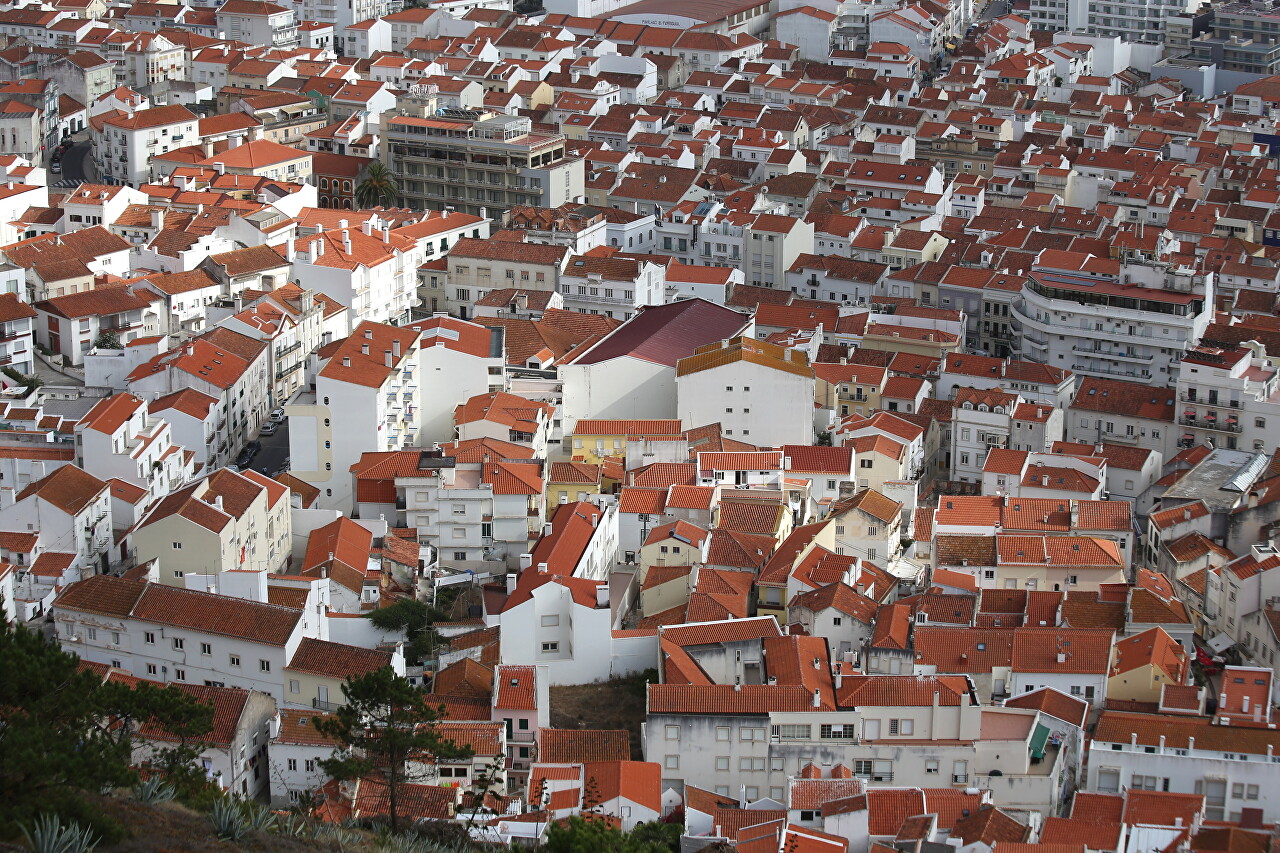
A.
pixel 1107 371
pixel 1213 424
pixel 1199 401
pixel 322 705
pixel 1122 356
pixel 296 345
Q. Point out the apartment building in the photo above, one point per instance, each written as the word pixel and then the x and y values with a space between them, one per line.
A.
pixel 1231 765
pixel 258 22
pixel 758 391
pixel 481 502
pixel 1086 314
pixel 119 439
pixel 226 522
pixel 1227 398
pixel 477 162
pixel 980 421
pixel 1242 38
pixel 221 364
pixel 365 398
pixel 126 144
pixel 17 327
pixel 776 704
pixel 71 509
pixel 460 360
pixel 173 635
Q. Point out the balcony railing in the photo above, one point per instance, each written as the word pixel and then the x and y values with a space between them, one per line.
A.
pixel 1201 401
pixel 322 705
pixel 1125 356
pixel 1206 423
pixel 1109 371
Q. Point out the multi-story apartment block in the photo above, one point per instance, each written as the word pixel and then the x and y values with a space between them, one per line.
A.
pixel 477 162
pixel 174 635
pixel 1232 766
pixel 1089 315
pixel 1227 398
pixel 259 22
pixel 226 522
pixel 482 503
pixel 365 398
pixel 1243 38
pixel 17 324
pixel 125 145
pixel 118 439
pixel 71 509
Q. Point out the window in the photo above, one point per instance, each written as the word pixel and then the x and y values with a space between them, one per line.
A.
pixel 149 638
pixel 151 669
pixel 794 732
pixel 180 674
pixel 864 463
pixel 751 734
pixel 1260 423
pixel 295 686
pixel 723 733
pixel 177 546
pixel 550 648
pixel 264 666
pixel 673 732
pixel 206 649
pixel 931 766
pixel 309 765
pixel 550 621
pixel 235 660
pixel 751 765
pixel 671 762
pixel 722 763
pixel 293 764
pixel 828 732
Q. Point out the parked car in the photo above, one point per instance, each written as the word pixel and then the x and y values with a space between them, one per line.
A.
pixel 270 428
pixel 56 167
pixel 277 415
pixel 246 456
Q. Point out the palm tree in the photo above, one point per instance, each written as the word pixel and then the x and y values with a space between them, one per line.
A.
pixel 378 187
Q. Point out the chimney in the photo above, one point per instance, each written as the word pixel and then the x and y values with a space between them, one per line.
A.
pixel 234 141
pixel 526 561
pixel 511 582
pixel 602 595
pixel 386 357
pixel 346 241
pixel 191 349
pixel 222 167
pixel 542 568
pixel 817 698
pixel 367 227
pixel 546 528
pixel 217 501
pixel 395 347
pixel 273 729
pixel 289 249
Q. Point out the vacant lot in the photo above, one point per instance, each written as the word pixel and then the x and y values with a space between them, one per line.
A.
pixel 617 704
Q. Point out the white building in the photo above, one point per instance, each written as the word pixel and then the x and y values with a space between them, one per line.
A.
pixel 759 392
pixel 460 360
pixel 366 398
pixel 173 635
pixel 1098 317
pixel 631 372
pixel 126 144
pixel 1232 766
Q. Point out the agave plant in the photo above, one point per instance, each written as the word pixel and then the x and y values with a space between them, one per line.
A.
pixel 228 819
pixel 154 791
pixel 258 817
pixel 50 835
pixel 294 825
